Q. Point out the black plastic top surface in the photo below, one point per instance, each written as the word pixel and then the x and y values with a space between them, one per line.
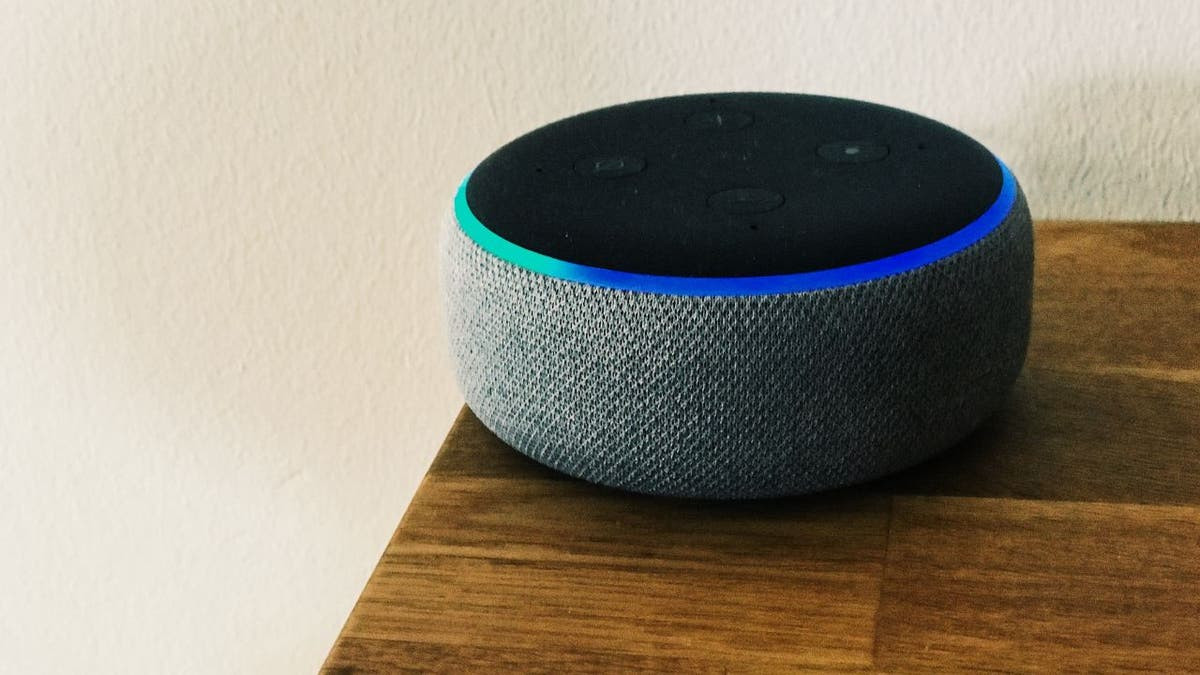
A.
pixel 733 185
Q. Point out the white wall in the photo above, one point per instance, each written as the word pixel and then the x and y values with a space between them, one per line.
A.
pixel 221 369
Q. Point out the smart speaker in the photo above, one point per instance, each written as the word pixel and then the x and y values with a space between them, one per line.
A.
pixel 737 295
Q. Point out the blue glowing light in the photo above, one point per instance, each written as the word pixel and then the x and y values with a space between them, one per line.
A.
pixel 724 286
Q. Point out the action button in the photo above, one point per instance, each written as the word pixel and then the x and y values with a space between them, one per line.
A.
pixel 852 152
pixel 610 166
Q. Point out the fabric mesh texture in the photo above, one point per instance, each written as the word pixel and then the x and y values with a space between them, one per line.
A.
pixel 746 396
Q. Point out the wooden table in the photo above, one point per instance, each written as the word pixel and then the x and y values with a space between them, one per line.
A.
pixel 1064 535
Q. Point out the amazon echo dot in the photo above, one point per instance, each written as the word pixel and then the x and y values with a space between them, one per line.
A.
pixel 737 295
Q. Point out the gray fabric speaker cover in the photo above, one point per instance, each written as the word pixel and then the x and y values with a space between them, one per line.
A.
pixel 745 396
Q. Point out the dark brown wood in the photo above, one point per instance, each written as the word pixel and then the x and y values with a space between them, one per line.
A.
pixel 1012 584
pixel 1063 535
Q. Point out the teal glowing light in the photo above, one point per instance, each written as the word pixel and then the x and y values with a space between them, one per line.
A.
pixel 762 285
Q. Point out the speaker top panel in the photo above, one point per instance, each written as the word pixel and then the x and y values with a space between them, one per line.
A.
pixel 737 185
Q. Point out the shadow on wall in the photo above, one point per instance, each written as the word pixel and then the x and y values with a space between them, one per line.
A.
pixel 1108 148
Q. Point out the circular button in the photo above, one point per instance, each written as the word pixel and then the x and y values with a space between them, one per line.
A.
pixel 852 152
pixel 723 120
pixel 745 200
pixel 610 166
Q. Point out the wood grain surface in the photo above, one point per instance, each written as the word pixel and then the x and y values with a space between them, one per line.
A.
pixel 1062 536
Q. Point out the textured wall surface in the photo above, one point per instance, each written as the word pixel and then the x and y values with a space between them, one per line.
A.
pixel 222 367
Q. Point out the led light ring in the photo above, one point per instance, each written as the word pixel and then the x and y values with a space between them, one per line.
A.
pixel 737 286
